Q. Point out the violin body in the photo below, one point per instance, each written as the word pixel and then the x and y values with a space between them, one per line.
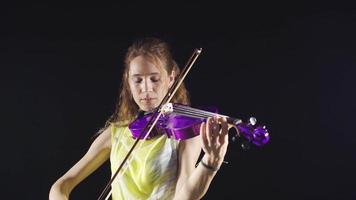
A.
pixel 178 127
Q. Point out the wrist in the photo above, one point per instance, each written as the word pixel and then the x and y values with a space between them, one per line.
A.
pixel 212 161
pixel 209 167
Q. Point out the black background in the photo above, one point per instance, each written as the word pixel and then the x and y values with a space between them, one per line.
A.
pixel 289 64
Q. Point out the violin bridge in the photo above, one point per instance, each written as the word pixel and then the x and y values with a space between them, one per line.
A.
pixel 167 108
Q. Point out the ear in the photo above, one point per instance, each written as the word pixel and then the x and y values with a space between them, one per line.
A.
pixel 171 78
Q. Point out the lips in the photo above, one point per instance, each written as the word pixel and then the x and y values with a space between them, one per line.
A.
pixel 148 99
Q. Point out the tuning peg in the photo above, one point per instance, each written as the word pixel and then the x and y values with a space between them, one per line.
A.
pixel 253 121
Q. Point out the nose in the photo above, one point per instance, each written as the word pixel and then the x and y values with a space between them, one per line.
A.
pixel 147 85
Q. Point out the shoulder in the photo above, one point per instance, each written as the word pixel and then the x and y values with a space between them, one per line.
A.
pixel 117 129
pixel 104 138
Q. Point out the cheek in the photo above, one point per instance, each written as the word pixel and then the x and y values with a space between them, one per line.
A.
pixel 163 88
pixel 134 90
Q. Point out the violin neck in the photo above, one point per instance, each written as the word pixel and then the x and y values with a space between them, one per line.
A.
pixel 201 114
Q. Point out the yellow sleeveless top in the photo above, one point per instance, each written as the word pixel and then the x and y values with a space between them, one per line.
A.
pixel 151 170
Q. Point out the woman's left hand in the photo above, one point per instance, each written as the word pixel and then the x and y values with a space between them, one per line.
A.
pixel 214 137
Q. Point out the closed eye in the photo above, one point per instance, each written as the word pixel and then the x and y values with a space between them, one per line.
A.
pixel 137 80
pixel 155 79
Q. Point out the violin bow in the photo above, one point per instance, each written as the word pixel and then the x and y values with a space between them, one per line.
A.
pixel 155 116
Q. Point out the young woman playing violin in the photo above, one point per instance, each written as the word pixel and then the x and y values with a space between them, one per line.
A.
pixel 161 167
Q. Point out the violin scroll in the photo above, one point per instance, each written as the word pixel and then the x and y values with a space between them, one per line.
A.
pixel 252 133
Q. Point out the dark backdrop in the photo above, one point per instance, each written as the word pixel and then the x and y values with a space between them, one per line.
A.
pixel 289 64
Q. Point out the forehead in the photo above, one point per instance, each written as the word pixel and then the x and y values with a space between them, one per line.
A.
pixel 143 66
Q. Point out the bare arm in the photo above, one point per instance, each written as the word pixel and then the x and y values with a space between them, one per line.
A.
pixel 97 154
pixel 193 183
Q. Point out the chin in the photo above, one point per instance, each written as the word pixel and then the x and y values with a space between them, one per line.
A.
pixel 147 107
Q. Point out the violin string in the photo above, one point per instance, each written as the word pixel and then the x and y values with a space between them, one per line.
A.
pixel 194 112
pixel 190 109
pixel 187 108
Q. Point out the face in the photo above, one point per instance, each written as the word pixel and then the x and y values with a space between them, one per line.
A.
pixel 148 83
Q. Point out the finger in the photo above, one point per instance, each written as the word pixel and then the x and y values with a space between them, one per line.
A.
pixel 216 133
pixel 216 129
pixel 203 134
pixel 223 124
pixel 223 136
pixel 209 131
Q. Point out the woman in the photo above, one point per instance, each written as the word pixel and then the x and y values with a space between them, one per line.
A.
pixel 161 168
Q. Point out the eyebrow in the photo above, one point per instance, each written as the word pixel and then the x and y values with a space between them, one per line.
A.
pixel 150 74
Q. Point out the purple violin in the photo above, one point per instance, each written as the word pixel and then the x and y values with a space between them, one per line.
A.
pixel 182 122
